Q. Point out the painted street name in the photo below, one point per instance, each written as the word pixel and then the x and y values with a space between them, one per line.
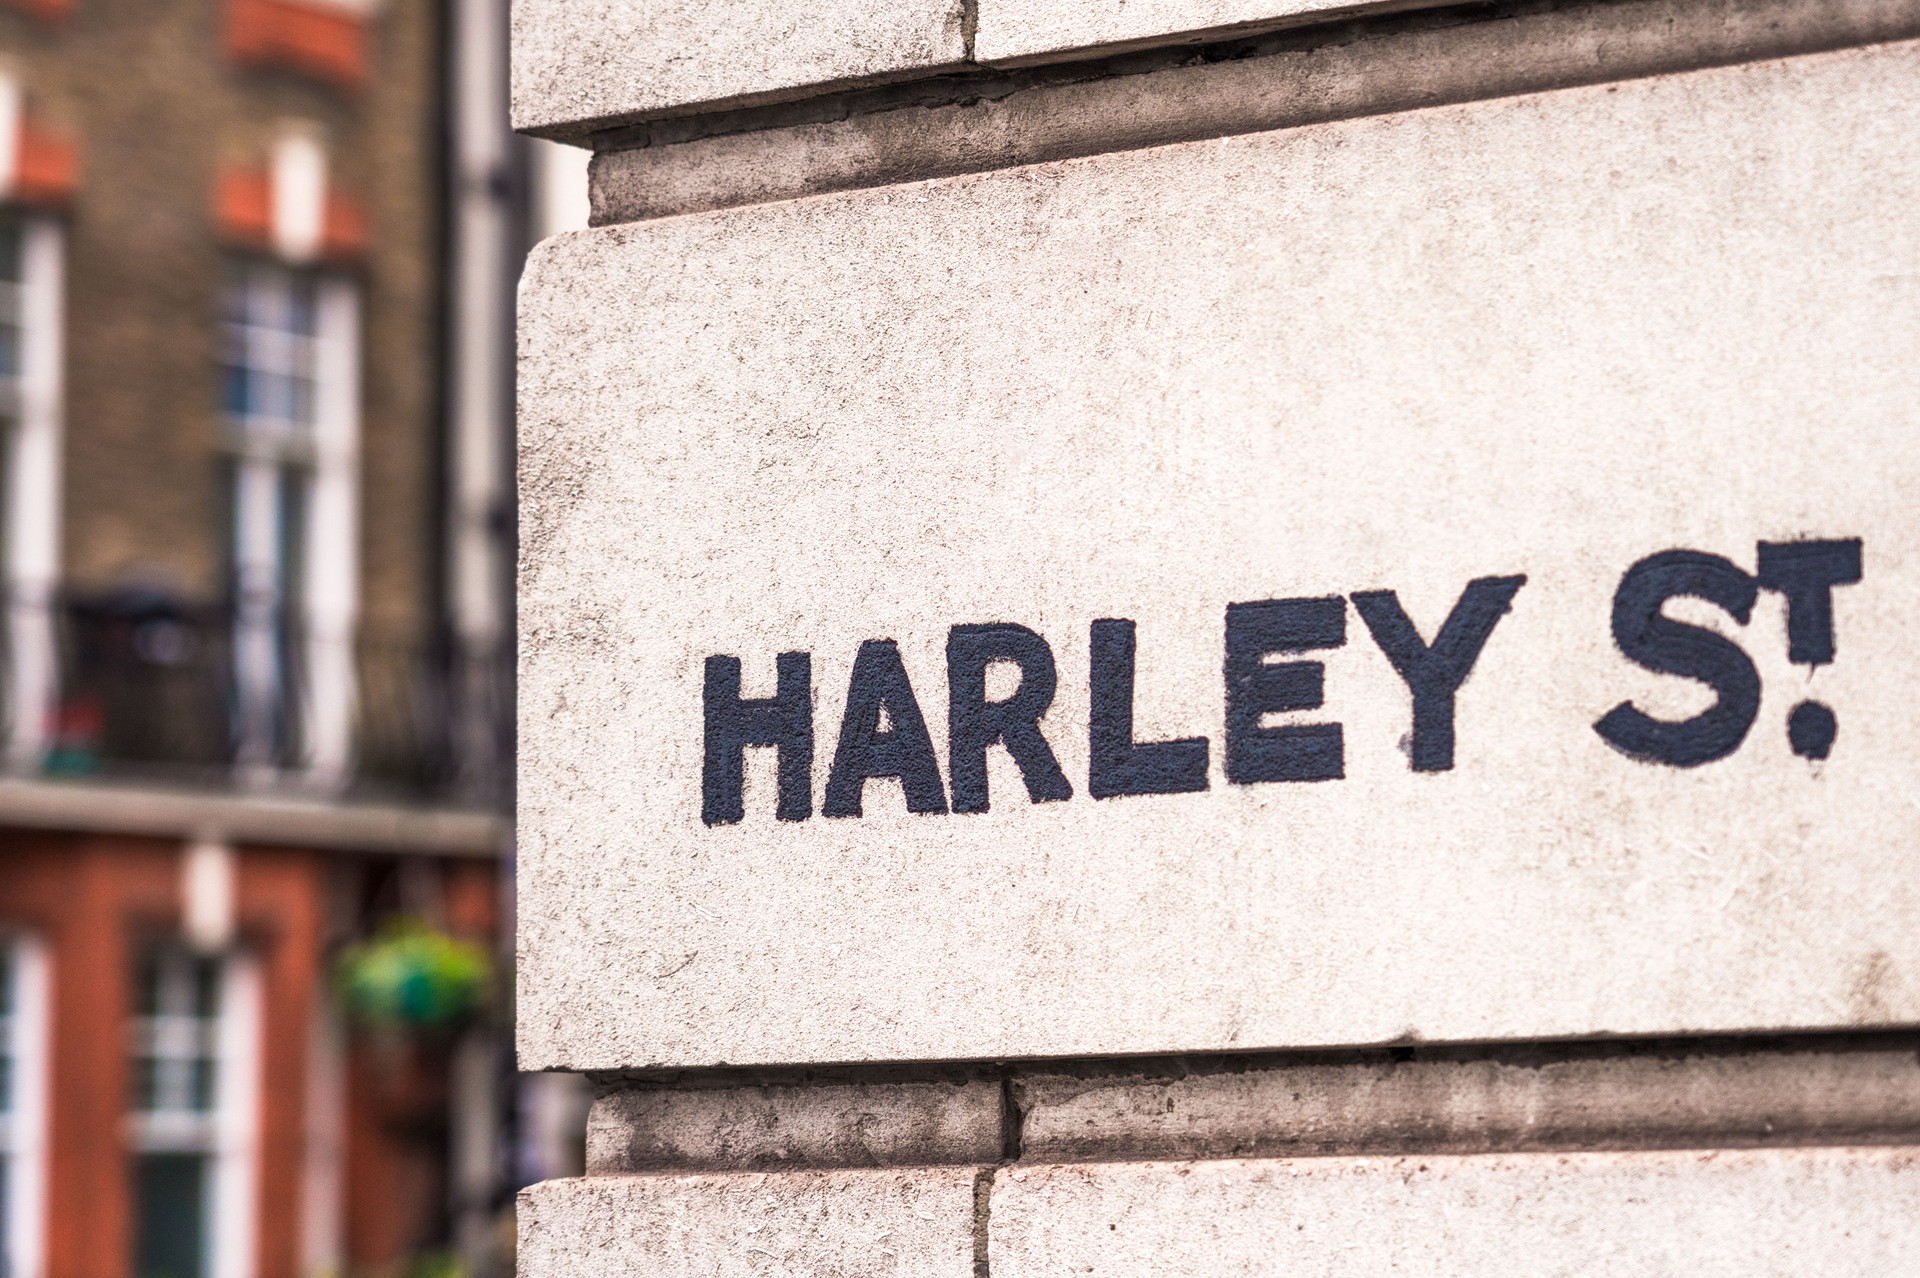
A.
pixel 883 733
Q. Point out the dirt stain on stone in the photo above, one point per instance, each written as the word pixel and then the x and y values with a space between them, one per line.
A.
pixel 1870 999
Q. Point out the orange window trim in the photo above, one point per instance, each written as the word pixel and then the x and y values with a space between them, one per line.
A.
pixel 317 40
pixel 49 168
pixel 243 208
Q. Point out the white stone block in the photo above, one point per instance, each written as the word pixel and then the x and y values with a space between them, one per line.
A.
pixel 916 1223
pixel 581 64
pixel 1547 335
pixel 1015 31
pixel 1794 1213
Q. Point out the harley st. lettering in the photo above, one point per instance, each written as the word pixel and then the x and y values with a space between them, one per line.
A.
pixel 1269 666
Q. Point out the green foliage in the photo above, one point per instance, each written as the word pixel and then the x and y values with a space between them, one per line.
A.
pixel 413 977
pixel 435 1264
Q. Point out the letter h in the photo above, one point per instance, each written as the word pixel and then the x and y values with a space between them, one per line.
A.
pixel 784 721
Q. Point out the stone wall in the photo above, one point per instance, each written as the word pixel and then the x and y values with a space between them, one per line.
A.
pixel 1223 364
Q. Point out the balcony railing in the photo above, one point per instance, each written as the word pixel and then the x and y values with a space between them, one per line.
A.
pixel 156 690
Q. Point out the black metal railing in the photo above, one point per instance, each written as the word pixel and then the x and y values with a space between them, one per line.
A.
pixel 152 688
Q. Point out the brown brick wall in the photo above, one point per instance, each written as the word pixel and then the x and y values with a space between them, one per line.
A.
pixel 159 108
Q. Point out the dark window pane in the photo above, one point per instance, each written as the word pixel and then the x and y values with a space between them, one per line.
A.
pixel 146 985
pixel 170 1214
pixel 10 251
pixel 146 1092
pixel 239 398
pixel 8 1036
pixel 206 988
pixel 203 1083
pixel 304 312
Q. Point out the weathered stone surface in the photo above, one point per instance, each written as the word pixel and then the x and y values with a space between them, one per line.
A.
pixel 1668 1099
pixel 822 1125
pixel 909 1224
pixel 579 64
pixel 1746 1214
pixel 1473 55
pixel 1014 31
pixel 1546 335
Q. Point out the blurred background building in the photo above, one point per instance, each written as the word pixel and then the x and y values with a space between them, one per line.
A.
pixel 257 261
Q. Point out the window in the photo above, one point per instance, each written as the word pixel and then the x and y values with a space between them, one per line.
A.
pixel 30 321
pixel 269 375
pixel 291 391
pixel 10 315
pixel 175 1070
pixel 272 317
pixel 194 1061
pixel 23 1082
pixel 12 319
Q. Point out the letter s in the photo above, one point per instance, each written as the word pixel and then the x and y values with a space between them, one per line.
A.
pixel 1651 639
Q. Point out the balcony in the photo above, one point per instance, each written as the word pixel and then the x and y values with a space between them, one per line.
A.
pixel 156 692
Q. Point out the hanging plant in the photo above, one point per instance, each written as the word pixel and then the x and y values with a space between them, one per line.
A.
pixel 413 977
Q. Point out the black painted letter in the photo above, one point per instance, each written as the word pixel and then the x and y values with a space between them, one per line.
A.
pixel 1298 752
pixel 903 750
pixel 1806 573
pixel 1659 643
pixel 783 721
pixel 1118 764
pixel 1433 674
pixel 974 723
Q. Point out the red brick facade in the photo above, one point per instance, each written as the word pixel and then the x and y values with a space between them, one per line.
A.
pixel 96 899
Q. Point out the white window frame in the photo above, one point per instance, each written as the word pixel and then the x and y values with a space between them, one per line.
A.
pixel 32 497
pixel 329 605
pixel 229 1132
pixel 333 537
pixel 23 1127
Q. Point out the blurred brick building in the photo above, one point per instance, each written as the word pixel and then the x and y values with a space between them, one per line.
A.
pixel 256 261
